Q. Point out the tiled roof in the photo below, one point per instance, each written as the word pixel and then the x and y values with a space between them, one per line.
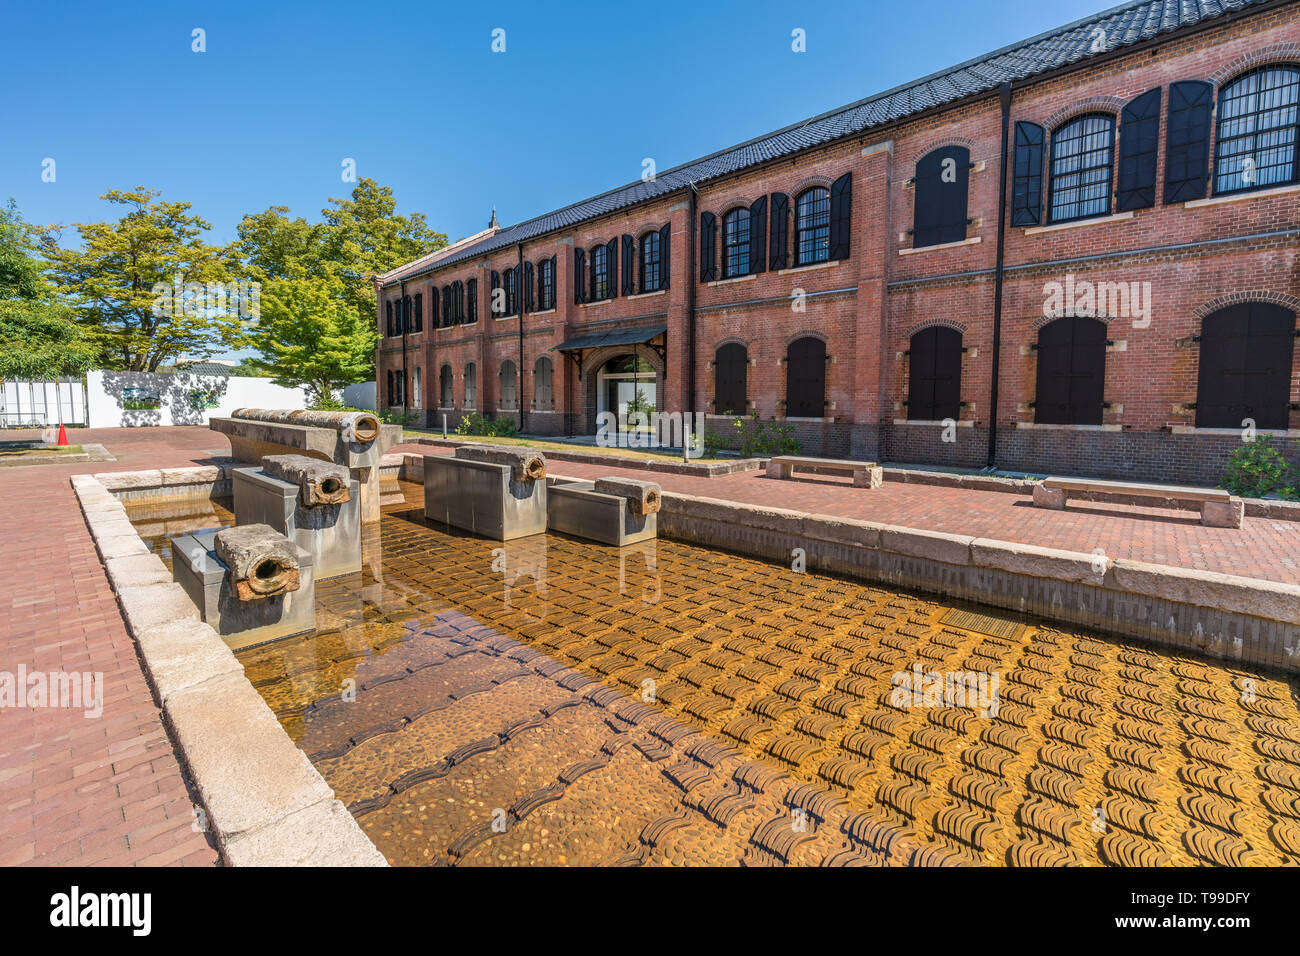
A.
pixel 1123 26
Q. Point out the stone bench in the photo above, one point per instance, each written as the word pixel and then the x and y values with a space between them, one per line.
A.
pixel 1219 509
pixel 865 474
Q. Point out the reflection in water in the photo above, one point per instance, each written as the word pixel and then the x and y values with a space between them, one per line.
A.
pixel 550 701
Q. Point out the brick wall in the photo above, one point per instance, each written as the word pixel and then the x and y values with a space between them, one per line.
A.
pixel 1193 258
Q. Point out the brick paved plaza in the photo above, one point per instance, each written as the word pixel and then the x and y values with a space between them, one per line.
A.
pixel 111 791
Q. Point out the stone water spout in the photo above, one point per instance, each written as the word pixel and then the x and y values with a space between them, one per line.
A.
pixel 524 463
pixel 355 427
pixel 263 563
pixel 319 482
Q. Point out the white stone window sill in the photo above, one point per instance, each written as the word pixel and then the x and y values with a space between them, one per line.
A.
pixel 503 318
pixel 499 409
pixel 811 267
pixel 1070 428
pixel 1078 223
pixel 590 305
pixel 937 423
pixel 1238 197
pixel 542 411
pixel 1193 430
pixel 450 408
pixel 543 312
pixel 973 241
pixel 829 418
pixel 646 295
pixel 745 278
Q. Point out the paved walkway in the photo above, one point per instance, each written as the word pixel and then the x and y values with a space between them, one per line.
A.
pixel 110 790
pixel 73 789
pixel 1263 548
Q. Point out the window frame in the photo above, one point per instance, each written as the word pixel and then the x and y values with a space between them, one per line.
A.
pixel 1109 166
pixel 599 275
pixel 815 224
pixel 655 268
pixel 733 243
pixel 1221 118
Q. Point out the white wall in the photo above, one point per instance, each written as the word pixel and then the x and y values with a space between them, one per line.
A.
pixel 107 391
pixel 360 395
pixel 36 404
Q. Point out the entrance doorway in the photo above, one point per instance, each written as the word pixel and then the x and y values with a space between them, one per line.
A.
pixel 626 385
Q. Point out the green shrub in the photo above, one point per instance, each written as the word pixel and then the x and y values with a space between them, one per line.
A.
pixel 1257 468
pixel 760 439
pixel 477 424
pixel 328 403
pixel 713 442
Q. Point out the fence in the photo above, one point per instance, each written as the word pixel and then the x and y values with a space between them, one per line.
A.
pixel 39 404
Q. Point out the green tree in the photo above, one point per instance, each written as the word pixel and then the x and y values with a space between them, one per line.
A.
pixel 38 338
pixel 357 238
pixel 309 334
pixel 113 282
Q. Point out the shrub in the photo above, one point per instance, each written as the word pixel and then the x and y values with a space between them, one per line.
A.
pixel 1257 468
pixel 477 424
pixel 760 439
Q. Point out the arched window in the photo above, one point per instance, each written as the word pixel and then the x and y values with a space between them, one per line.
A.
pixel 1082 158
pixel 735 243
pixel 1256 143
pixel 509 391
pixel 446 397
pixel 546 284
pixel 1071 372
pixel 731 380
pixel 599 273
pixel 510 279
pixel 471 384
pixel 805 379
pixel 934 375
pixel 812 227
pixel 650 271
pixel 939 205
pixel 542 392
pixel 1245 367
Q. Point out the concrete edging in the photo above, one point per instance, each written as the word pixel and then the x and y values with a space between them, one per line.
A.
pixel 700 469
pixel 264 801
pixel 1246 620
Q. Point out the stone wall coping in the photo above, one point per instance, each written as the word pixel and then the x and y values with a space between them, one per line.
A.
pixel 265 802
pixel 707 469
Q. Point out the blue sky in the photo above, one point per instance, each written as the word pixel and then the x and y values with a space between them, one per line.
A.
pixel 413 92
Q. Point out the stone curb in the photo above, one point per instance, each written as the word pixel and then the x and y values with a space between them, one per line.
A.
pixel 264 801
pixel 709 469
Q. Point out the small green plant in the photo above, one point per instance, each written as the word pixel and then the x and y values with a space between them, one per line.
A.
pixel 760 439
pixel 477 424
pixel 714 442
pixel 1258 468
pixel 395 416
pixel 328 403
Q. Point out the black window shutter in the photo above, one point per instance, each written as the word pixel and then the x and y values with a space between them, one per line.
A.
pixel 665 254
pixel 1187 141
pixel 1071 372
pixel 629 272
pixel 406 314
pixel 708 247
pixel 471 293
pixel 941 193
pixel 934 374
pixel 388 325
pixel 579 270
pixel 841 216
pixel 419 312
pixel 730 375
pixel 805 379
pixel 758 235
pixel 611 263
pixel 780 231
pixel 1139 133
pixel 528 287
pixel 555 280
pixel 492 295
pixel 1245 366
pixel 1027 180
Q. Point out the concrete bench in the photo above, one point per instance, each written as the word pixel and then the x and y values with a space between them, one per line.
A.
pixel 1219 509
pixel 865 474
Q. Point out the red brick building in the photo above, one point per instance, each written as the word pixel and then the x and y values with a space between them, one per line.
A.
pixel 1077 254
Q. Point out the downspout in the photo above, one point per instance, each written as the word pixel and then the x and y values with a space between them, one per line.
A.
pixel 1004 95
pixel 521 296
pixel 690 302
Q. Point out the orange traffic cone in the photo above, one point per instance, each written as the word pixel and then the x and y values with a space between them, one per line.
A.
pixel 63 435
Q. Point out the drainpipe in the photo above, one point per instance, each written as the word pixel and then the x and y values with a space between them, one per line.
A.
pixel 690 302
pixel 520 298
pixel 1004 94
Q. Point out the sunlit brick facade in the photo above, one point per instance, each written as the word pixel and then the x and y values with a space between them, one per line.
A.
pixel 1156 386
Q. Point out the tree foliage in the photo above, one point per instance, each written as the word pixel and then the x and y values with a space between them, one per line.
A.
pixel 111 281
pixel 38 338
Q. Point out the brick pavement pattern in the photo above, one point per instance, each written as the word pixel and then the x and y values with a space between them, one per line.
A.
pixel 111 790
